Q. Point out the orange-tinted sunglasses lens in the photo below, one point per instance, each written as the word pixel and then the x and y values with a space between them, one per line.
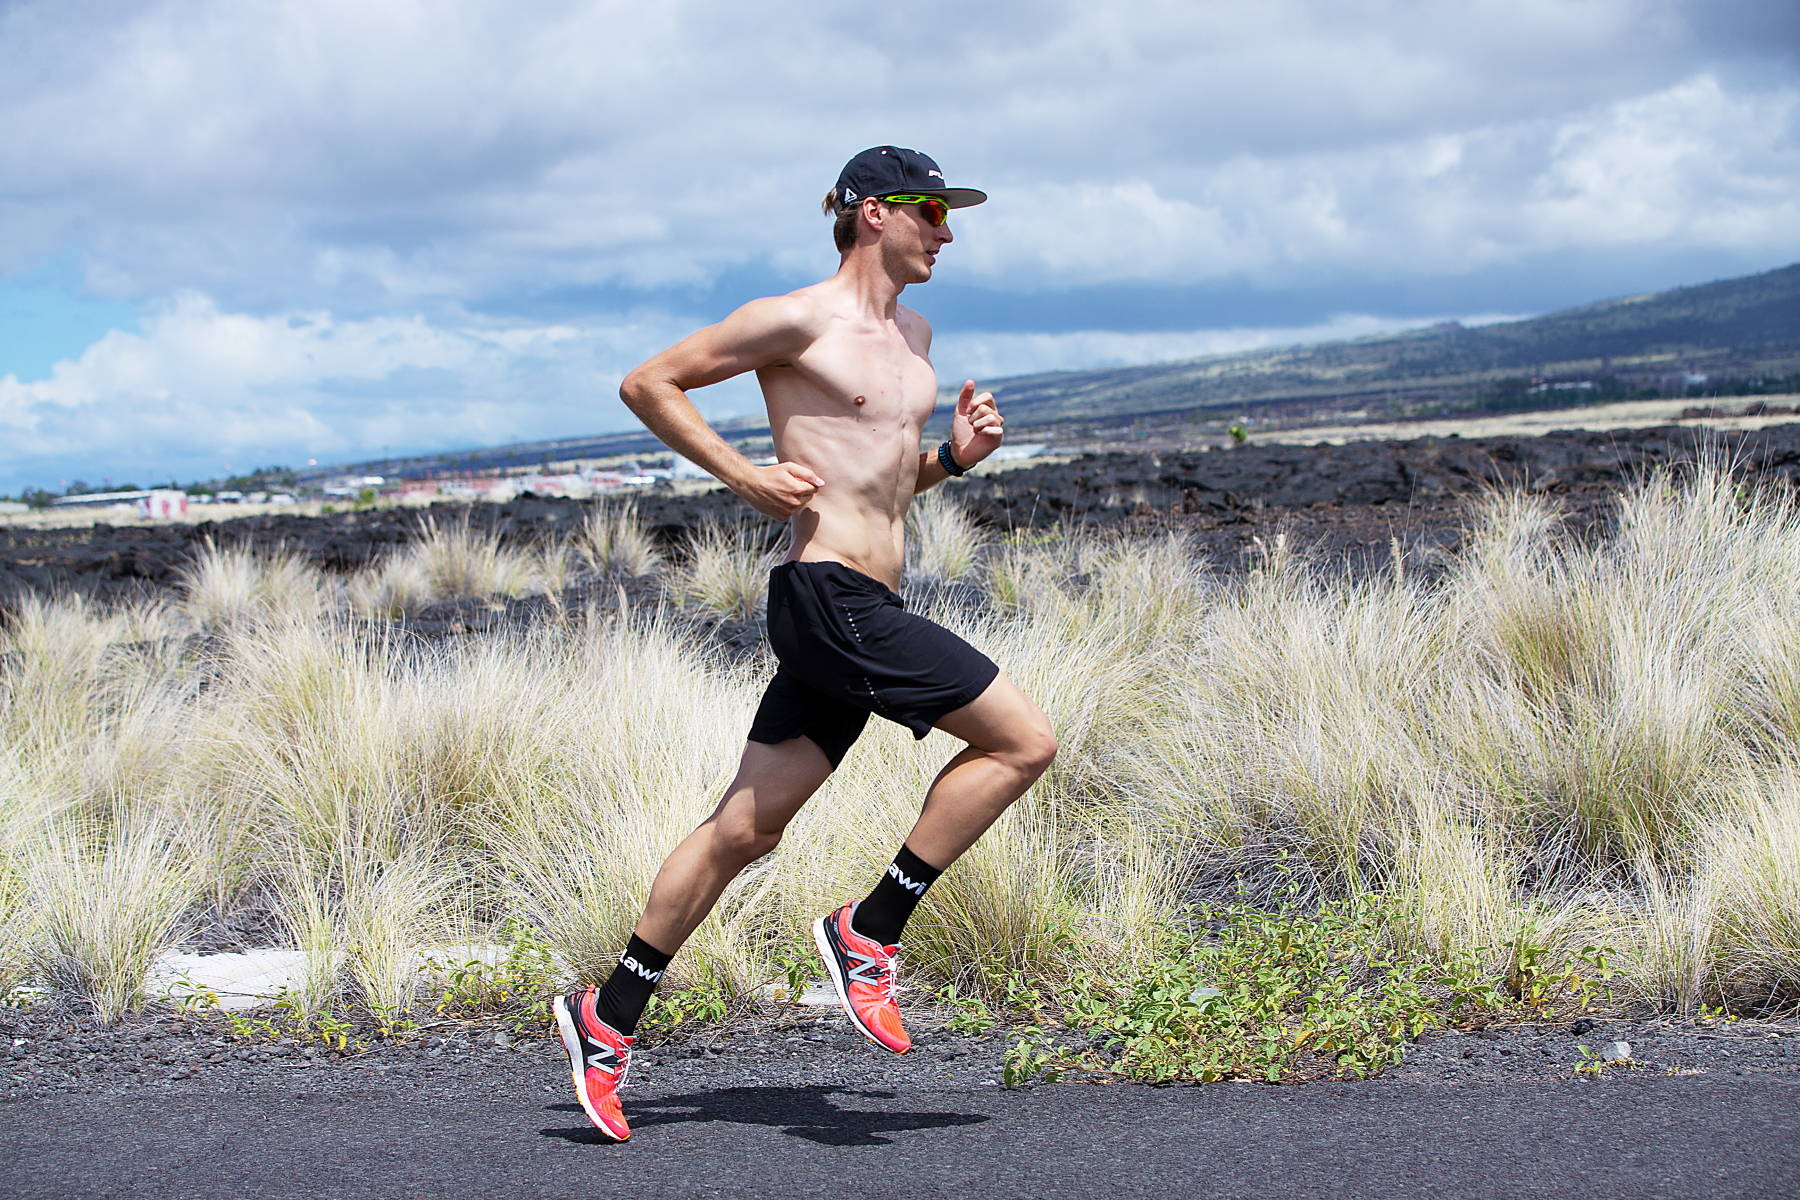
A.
pixel 932 208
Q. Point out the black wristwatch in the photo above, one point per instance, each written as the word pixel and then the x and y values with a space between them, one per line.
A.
pixel 947 462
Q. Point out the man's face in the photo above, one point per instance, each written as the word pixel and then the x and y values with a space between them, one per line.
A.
pixel 910 243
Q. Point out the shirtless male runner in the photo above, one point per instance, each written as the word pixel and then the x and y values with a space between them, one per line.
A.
pixel 844 371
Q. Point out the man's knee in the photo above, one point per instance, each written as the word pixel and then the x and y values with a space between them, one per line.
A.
pixel 1038 748
pixel 741 843
pixel 1030 748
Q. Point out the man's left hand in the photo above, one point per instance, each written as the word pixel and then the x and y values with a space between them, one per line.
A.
pixel 976 429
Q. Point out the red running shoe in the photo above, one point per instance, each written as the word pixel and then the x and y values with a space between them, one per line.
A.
pixel 862 970
pixel 599 1059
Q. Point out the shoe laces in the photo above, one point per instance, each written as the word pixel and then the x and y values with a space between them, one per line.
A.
pixel 876 970
pixel 889 975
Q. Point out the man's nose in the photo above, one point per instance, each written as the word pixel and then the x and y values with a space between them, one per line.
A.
pixel 944 234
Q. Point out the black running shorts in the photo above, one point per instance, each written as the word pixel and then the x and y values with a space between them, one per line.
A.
pixel 847 647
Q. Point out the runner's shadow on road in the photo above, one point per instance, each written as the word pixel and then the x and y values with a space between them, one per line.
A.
pixel 803 1112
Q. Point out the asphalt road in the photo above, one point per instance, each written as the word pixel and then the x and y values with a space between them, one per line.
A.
pixel 516 1133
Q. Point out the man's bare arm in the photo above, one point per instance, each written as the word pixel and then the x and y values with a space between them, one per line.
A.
pixel 976 430
pixel 759 334
pixel 931 472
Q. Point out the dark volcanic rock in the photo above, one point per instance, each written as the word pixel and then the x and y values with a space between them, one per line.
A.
pixel 1350 503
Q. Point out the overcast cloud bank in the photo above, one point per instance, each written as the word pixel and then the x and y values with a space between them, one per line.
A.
pixel 349 226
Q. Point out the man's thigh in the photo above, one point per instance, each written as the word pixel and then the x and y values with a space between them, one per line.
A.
pixel 791 709
pixel 773 781
pixel 1002 718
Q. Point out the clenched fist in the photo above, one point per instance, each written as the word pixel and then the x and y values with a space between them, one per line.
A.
pixel 976 428
pixel 782 490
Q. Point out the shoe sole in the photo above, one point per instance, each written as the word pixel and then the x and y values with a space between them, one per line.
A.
pixel 823 941
pixel 571 1040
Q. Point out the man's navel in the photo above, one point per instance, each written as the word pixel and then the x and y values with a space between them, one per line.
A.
pixel 861 400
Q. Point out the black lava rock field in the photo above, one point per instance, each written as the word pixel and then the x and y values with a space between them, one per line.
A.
pixel 1348 503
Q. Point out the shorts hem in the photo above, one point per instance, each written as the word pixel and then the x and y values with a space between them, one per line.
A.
pixel 765 738
pixel 967 696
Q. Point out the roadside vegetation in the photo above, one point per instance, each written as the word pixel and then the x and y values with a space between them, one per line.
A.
pixel 1296 819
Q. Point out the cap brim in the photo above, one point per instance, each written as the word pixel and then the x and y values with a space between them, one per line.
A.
pixel 957 197
pixel 953 197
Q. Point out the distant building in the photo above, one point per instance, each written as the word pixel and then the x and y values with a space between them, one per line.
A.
pixel 100 500
pixel 683 468
pixel 163 504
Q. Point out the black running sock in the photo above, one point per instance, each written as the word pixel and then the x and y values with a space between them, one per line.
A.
pixel 883 915
pixel 622 998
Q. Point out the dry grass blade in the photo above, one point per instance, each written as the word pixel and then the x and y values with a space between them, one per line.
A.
pixel 726 568
pixel 1557 744
pixel 613 538
pixel 107 901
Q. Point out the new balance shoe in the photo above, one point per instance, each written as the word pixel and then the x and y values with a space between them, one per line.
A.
pixel 862 970
pixel 599 1059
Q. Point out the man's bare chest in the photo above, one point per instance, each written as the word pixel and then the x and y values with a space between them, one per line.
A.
pixel 871 380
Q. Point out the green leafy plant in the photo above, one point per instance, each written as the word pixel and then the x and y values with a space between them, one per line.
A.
pixel 972 1015
pixel 1031 1056
pixel 706 1002
pixel 794 964
pixel 514 989
pixel 286 1019
pixel 1594 1065
pixel 1240 992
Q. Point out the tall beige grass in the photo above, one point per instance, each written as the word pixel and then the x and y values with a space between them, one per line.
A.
pixel 726 567
pixel 613 538
pixel 1555 744
pixel 106 899
pixel 222 585
pixel 943 540
pixel 451 559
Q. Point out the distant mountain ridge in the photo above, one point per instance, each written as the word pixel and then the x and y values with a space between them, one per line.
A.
pixel 1744 327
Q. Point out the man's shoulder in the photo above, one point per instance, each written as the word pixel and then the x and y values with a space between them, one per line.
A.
pixel 911 315
pixel 798 312
pixel 915 324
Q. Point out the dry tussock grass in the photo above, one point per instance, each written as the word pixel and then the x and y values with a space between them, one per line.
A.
pixel 1553 743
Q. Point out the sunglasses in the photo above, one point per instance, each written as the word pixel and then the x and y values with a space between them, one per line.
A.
pixel 935 211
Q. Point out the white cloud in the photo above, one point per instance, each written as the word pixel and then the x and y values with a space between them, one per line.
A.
pixel 274 182
pixel 1692 163
pixel 200 387
pixel 1690 166
pixel 365 153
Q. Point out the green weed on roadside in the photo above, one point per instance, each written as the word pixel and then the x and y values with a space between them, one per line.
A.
pixel 972 1015
pixel 707 1002
pixel 285 1020
pixel 1239 992
pixel 1593 1065
pixel 710 1000
pixel 514 989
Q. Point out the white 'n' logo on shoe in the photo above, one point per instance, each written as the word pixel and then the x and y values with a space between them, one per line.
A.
pixel 604 1059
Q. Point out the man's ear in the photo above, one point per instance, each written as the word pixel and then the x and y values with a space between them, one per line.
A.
pixel 874 212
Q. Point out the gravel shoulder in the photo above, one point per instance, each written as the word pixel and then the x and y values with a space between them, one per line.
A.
pixel 805 1106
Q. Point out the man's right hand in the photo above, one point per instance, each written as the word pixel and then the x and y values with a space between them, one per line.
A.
pixel 780 491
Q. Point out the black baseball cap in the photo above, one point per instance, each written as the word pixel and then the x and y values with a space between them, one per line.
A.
pixel 886 170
